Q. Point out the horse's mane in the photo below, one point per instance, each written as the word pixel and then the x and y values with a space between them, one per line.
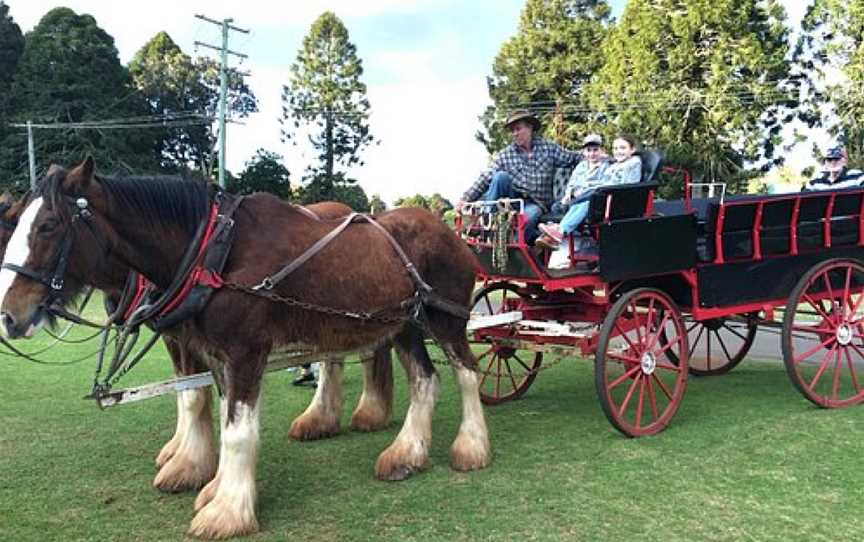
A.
pixel 161 200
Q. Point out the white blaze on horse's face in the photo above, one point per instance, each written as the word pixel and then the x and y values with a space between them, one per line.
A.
pixel 17 251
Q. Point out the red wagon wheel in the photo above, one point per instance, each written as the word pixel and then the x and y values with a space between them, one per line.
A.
pixel 716 345
pixel 506 372
pixel 823 334
pixel 639 389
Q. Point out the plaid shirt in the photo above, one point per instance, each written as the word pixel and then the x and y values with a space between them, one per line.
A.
pixel 532 175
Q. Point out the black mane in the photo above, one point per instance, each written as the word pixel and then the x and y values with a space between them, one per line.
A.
pixel 159 199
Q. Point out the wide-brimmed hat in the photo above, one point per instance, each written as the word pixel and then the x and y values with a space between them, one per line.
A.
pixel 592 139
pixel 522 114
pixel 834 153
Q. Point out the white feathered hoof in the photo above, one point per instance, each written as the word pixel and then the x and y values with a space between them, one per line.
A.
pixel 469 452
pixel 369 418
pixel 207 493
pixel 310 426
pixel 183 474
pixel 400 461
pixel 222 519
pixel 167 452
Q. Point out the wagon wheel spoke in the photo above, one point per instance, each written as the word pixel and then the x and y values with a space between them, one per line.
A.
pixel 852 374
pixel 488 368
pixel 723 346
pixel 638 326
pixel 667 367
pixel 835 380
pixel 522 363
pixel 656 334
pixel 627 375
pixel 498 379
pixel 846 291
pixel 814 330
pixel 695 341
pixel 621 357
pixel 813 350
pixel 731 329
pixel 652 399
pixel 694 326
pixel 510 374
pixel 818 307
pixel 668 346
pixel 625 337
pixel 822 366
pixel 640 401
pixel 662 386
pixel 830 289
pixel 626 401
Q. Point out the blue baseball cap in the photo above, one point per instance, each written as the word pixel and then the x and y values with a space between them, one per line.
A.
pixel 834 153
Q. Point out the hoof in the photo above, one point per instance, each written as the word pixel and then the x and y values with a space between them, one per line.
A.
pixel 206 494
pixel 469 453
pixel 369 419
pixel 182 474
pixel 167 452
pixel 399 462
pixel 310 427
pixel 217 521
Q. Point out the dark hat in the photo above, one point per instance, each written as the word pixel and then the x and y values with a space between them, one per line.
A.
pixel 834 153
pixel 522 114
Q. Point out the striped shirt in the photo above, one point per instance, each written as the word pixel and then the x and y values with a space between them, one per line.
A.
pixel 532 174
pixel 848 178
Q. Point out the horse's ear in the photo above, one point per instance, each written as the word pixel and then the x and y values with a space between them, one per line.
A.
pixel 79 178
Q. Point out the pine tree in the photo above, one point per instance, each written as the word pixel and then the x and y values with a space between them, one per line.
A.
pixel 263 173
pixel 70 72
pixel 11 48
pixel 326 96
pixel 175 86
pixel 832 44
pixel 705 80
pixel 545 67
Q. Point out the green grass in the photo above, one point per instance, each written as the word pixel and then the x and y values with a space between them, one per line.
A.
pixel 745 458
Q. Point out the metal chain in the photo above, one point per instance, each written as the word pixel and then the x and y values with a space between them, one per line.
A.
pixel 377 316
pixel 500 236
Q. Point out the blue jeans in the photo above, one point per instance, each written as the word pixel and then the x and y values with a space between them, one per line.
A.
pixel 501 186
pixel 575 216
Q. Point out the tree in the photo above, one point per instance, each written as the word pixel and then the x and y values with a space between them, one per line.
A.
pixel 545 67
pixel 69 72
pixel 832 43
pixel 376 204
pixel 263 173
pixel 184 91
pixel 325 96
pixel 11 47
pixel 705 80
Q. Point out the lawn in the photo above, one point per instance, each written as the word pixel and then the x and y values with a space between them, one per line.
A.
pixel 746 457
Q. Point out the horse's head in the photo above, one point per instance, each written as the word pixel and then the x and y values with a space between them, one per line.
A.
pixel 50 250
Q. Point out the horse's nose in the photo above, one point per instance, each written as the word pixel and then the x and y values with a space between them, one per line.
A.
pixel 8 322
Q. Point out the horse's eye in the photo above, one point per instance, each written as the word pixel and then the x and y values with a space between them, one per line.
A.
pixel 47 227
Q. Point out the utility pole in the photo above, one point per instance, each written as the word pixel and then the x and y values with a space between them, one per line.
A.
pixel 223 81
pixel 31 155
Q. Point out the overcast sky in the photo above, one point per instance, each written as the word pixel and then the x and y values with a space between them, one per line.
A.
pixel 425 62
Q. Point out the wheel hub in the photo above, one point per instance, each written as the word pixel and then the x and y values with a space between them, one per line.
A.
pixel 844 334
pixel 648 363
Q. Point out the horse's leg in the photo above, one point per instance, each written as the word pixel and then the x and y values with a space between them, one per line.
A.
pixel 375 407
pixel 188 461
pixel 226 506
pixel 321 418
pixel 168 450
pixel 409 453
pixel 471 449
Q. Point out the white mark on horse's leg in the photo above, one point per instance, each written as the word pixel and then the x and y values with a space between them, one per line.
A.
pixel 170 448
pixel 470 449
pixel 231 510
pixel 376 402
pixel 409 453
pixel 321 418
pixel 193 461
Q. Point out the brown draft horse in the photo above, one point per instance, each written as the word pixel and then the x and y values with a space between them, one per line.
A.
pixel 188 459
pixel 148 227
